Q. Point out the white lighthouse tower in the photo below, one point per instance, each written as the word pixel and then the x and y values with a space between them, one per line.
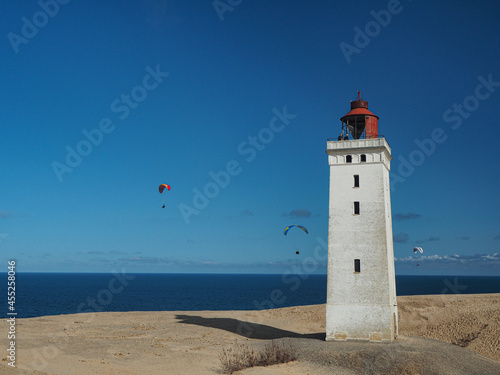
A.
pixel 361 293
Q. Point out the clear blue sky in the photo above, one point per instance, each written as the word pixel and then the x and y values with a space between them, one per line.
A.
pixel 172 91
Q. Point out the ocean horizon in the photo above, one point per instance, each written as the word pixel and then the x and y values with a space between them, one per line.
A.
pixel 40 294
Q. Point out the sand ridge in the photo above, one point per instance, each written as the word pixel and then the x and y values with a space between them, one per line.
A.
pixel 190 342
pixel 471 321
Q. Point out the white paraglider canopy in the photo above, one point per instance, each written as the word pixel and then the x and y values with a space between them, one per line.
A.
pixel 418 250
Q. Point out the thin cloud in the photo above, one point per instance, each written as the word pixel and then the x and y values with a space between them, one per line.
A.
pixel 476 260
pixel 408 216
pixel 6 214
pixel 146 260
pixel 245 213
pixel 429 239
pixel 401 238
pixel 97 252
pixel 101 260
pixel 290 263
pixel 299 213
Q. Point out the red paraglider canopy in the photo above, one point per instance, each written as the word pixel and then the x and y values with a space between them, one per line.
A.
pixel 162 187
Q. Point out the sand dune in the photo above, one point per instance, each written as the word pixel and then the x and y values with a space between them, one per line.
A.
pixel 442 334
pixel 471 321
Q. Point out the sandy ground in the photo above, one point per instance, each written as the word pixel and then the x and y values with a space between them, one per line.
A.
pixel 442 334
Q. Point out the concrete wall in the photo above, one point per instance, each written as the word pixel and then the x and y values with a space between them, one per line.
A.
pixel 360 306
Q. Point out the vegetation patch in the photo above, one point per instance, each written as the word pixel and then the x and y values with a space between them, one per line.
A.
pixel 241 356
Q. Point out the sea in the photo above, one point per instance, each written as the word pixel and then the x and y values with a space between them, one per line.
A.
pixel 41 294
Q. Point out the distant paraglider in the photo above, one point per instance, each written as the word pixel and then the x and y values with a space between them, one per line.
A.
pixel 417 250
pixel 294 226
pixel 161 188
pixel 287 229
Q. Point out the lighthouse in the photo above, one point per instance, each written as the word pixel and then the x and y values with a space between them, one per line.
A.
pixel 361 286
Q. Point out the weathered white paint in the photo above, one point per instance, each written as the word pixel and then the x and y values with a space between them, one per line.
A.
pixel 360 306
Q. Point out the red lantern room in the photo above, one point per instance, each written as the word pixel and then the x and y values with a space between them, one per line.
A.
pixel 359 121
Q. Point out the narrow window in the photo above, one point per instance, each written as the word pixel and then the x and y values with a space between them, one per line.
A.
pixel 356 180
pixel 357 266
pixel 356 208
pixel 363 158
pixel 348 159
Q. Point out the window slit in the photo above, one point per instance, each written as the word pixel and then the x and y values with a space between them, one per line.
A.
pixel 356 208
pixel 357 265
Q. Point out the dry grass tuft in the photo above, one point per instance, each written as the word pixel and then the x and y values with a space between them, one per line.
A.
pixel 241 356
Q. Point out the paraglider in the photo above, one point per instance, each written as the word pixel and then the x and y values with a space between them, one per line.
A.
pixel 417 250
pixel 295 226
pixel 161 188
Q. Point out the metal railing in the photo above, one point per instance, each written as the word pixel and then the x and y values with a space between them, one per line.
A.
pixel 352 139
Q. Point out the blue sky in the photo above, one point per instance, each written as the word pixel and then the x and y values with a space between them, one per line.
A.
pixel 235 100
